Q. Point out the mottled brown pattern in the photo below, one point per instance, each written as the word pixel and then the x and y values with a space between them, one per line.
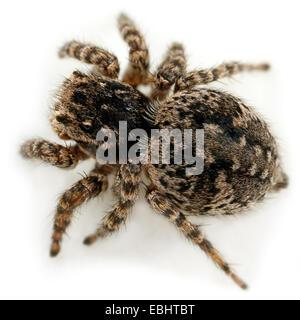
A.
pixel 105 61
pixel 129 188
pixel 235 176
pixel 165 207
pixel 53 153
pixel 137 72
pixel 205 76
pixel 169 71
pixel 83 190
pixel 241 156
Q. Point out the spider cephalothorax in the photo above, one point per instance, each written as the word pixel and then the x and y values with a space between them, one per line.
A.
pixel 87 103
pixel 241 157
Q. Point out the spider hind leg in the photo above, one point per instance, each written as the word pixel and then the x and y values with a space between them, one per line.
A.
pixel 161 205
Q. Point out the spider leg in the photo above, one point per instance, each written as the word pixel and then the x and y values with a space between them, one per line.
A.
pixel 58 129
pixel 205 76
pixel 83 190
pixel 169 71
pixel 191 231
pixel 53 153
pixel 129 187
pixel 104 61
pixel 117 184
pixel 137 72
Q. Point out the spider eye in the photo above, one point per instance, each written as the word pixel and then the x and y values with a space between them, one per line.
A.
pixel 63 119
pixel 86 126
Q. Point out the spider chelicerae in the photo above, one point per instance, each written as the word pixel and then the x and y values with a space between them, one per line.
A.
pixel 241 156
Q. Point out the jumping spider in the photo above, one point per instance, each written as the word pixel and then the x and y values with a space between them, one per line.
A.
pixel 241 157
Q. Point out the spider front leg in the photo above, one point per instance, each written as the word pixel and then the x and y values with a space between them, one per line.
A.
pixel 137 72
pixel 129 188
pixel 104 61
pixel 83 190
pixel 205 76
pixel 169 71
pixel 161 204
pixel 53 153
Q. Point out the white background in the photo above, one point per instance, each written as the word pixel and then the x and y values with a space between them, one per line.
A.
pixel 148 258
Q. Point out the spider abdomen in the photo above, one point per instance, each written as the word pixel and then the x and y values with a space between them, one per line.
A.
pixel 240 155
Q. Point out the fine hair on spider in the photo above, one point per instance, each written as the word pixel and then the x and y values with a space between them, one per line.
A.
pixel 241 158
